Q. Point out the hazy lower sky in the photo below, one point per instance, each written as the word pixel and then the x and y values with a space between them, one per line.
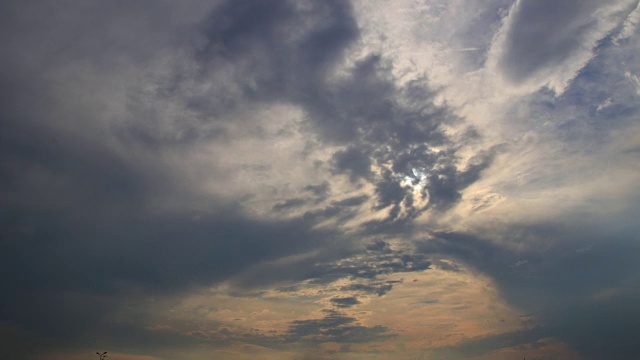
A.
pixel 320 179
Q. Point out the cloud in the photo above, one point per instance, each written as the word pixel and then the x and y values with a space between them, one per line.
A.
pixel 335 327
pixel 276 49
pixel 556 283
pixel 321 191
pixel 214 175
pixel 88 212
pixel 289 204
pixel 546 43
pixel 377 288
pixel 629 26
pixel 370 266
pixel 345 302
pixel 357 164
pixel 106 194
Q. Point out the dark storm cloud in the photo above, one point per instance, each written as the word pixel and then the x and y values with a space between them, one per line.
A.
pixel 546 33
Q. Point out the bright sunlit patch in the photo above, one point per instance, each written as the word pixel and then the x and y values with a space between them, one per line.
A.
pixel 417 183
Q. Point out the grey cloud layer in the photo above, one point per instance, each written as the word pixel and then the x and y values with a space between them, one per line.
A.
pixel 102 104
pixel 578 295
pixel 85 149
pixel 335 327
pixel 572 271
pixel 556 38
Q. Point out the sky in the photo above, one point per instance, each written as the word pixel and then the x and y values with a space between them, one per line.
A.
pixel 319 179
